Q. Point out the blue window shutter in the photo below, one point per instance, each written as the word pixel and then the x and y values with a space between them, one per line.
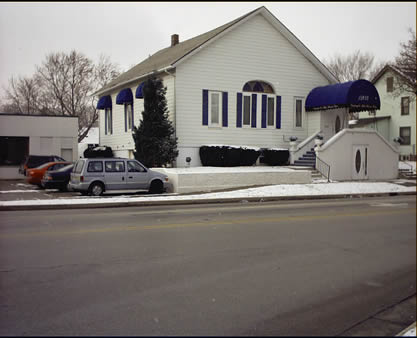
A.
pixel 105 121
pixel 253 123
pixel 125 117
pixel 239 110
pixel 278 119
pixel 225 109
pixel 263 111
pixel 205 107
pixel 133 117
pixel 111 121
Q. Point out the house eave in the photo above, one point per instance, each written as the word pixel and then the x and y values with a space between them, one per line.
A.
pixel 121 84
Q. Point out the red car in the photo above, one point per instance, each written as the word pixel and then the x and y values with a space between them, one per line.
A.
pixel 34 176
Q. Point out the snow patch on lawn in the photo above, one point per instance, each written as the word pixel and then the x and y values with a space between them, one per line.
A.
pixel 339 188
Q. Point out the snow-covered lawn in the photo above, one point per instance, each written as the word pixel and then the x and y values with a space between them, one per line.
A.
pixel 407 165
pixel 338 188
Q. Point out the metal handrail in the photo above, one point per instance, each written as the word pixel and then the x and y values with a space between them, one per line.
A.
pixel 319 164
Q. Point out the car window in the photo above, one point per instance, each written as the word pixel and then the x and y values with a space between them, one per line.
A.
pixel 115 166
pixel 95 166
pixel 67 167
pixel 134 167
pixel 78 167
pixel 43 165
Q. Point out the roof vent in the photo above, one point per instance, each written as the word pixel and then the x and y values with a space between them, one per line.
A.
pixel 175 39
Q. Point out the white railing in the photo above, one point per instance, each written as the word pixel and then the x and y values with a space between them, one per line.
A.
pixel 308 143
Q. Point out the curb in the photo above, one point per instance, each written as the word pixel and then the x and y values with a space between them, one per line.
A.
pixel 412 326
pixel 196 201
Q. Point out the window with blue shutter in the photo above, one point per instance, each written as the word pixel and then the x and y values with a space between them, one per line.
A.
pixel 253 125
pixel 264 98
pixel 205 107
pixel 225 109
pixel 239 110
pixel 278 113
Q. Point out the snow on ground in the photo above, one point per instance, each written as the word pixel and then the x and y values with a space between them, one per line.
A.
pixel 407 165
pixel 218 170
pixel 339 188
pixel 16 191
pixel 410 333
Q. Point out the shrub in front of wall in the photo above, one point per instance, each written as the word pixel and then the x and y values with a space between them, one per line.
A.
pixel 211 156
pixel 98 152
pixel 231 156
pixel 248 157
pixel 276 156
pixel 225 156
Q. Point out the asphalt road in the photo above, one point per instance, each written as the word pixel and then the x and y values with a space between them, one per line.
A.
pixel 278 268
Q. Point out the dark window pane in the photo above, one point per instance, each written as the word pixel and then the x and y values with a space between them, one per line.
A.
pixel 246 110
pixel 390 84
pixel 271 105
pixel 13 150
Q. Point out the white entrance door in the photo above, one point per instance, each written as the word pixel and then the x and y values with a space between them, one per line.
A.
pixel 360 162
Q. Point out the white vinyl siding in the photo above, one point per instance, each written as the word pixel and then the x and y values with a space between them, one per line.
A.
pixel 253 50
pixel 120 141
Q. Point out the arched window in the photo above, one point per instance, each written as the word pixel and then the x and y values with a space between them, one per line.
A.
pixel 258 87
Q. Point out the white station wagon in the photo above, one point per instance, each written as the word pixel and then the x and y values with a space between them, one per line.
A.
pixel 94 176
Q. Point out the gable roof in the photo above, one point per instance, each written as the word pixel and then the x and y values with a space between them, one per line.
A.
pixel 169 57
pixel 389 67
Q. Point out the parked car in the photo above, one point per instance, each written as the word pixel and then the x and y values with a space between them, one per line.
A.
pixel 94 176
pixel 33 161
pixel 57 179
pixel 34 175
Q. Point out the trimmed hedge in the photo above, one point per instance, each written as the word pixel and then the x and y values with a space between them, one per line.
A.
pixel 225 156
pixel 98 152
pixel 276 157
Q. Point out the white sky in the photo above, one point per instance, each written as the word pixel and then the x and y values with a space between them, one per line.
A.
pixel 129 31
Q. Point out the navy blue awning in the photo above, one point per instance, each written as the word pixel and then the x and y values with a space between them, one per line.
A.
pixel 125 96
pixel 357 95
pixel 104 102
pixel 139 93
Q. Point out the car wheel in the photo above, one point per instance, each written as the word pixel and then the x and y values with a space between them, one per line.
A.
pixel 157 187
pixel 96 189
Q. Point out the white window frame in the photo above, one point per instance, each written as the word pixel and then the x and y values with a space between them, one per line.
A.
pixel 274 107
pixel 108 115
pixel 299 98
pixel 210 123
pixel 129 117
pixel 250 110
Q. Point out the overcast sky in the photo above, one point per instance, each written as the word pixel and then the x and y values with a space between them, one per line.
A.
pixel 129 32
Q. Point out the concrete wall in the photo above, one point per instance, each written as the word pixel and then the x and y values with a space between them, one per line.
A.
pixel 48 135
pixel 207 179
pixel 338 153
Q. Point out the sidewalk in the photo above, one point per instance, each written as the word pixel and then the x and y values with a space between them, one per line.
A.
pixel 22 196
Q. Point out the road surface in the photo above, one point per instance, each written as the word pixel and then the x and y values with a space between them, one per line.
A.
pixel 277 268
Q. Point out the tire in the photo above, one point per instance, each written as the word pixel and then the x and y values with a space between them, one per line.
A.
pixel 96 189
pixel 157 187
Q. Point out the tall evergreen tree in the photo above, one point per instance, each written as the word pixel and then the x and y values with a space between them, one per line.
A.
pixel 155 143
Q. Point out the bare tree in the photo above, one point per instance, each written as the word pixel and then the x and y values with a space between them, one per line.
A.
pixel 22 95
pixel 63 85
pixel 405 63
pixel 352 67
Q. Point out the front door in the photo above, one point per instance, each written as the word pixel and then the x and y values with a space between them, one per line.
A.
pixel 360 162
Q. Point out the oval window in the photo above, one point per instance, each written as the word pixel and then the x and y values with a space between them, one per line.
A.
pixel 358 161
pixel 337 127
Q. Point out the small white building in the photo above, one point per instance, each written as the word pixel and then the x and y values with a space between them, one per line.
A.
pixel 22 135
pixel 243 83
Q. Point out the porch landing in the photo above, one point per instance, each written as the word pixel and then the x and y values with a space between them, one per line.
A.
pixel 206 179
